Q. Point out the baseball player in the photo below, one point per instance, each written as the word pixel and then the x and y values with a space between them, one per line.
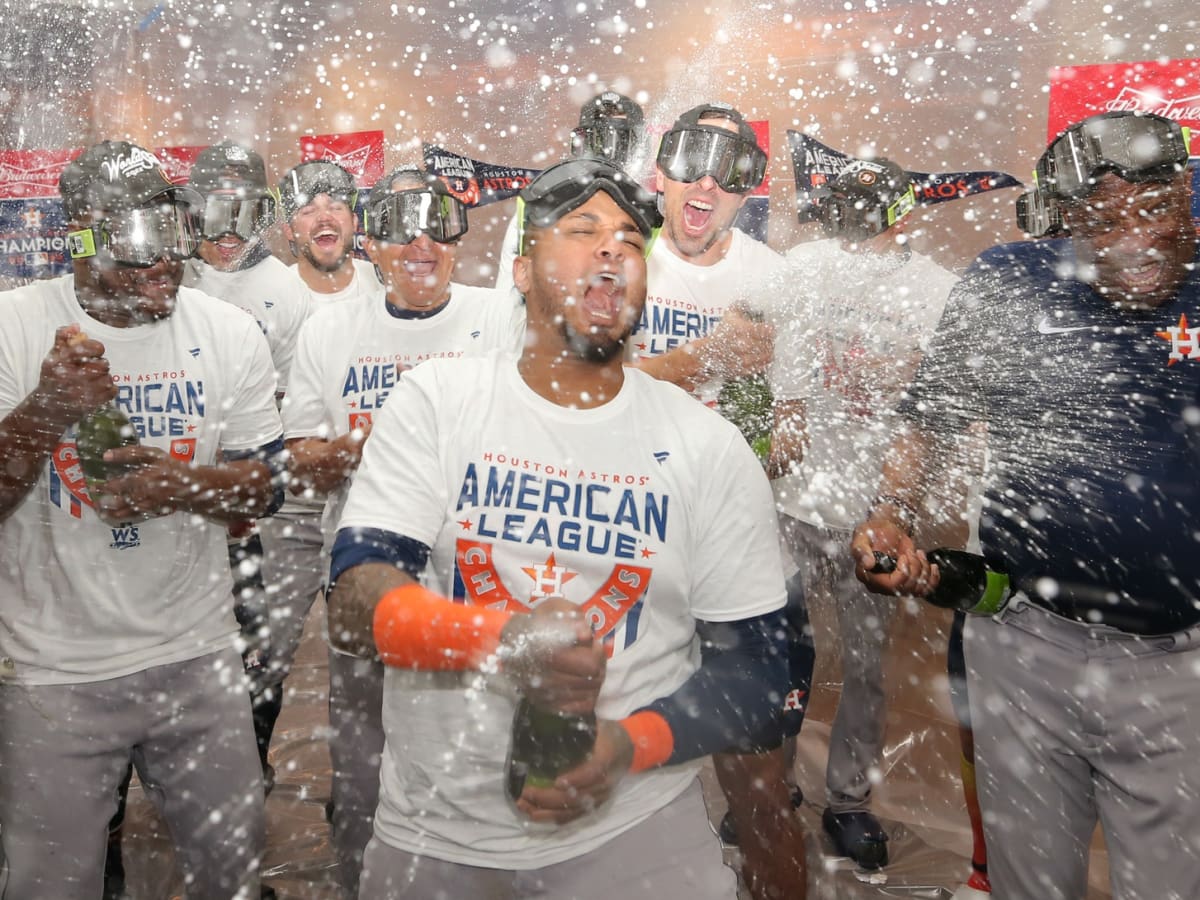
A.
pixel 1077 355
pixel 117 630
pixel 350 359
pixel 586 535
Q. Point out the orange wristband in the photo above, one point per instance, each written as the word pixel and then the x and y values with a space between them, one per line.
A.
pixel 417 629
pixel 652 739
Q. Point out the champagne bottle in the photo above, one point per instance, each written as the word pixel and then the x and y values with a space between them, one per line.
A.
pixel 100 430
pixel 545 744
pixel 965 582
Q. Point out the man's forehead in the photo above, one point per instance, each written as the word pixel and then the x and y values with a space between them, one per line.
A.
pixel 599 205
pixel 717 121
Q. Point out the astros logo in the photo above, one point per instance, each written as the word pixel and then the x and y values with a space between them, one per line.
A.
pixel 612 610
pixel 1185 341
pixel 32 218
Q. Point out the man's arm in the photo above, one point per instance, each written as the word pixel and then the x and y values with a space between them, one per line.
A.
pixel 738 346
pixel 322 465
pixel 74 380
pixel 789 437
pixel 246 485
pixel 893 518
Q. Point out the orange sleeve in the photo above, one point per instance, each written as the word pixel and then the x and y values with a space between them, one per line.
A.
pixel 415 628
pixel 652 739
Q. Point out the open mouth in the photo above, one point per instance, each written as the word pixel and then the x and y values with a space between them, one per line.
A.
pixel 602 299
pixel 1141 279
pixel 327 238
pixel 696 215
pixel 420 268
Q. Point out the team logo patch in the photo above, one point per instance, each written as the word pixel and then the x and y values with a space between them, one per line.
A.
pixel 183 448
pixel 360 421
pixel 1185 341
pixel 125 537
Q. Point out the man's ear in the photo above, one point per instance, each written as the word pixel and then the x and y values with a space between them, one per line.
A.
pixel 522 272
pixel 659 178
pixel 372 249
pixel 290 236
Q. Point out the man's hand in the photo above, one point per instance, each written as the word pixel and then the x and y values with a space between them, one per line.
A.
pixel 74 377
pixel 581 790
pixel 552 654
pixel 151 484
pixel 913 575
pixel 321 465
pixel 737 347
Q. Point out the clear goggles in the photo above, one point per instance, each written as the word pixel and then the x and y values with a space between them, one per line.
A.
pixel 403 217
pixel 860 215
pixel 1038 214
pixel 141 236
pixel 613 140
pixel 243 217
pixel 1137 147
pixel 734 163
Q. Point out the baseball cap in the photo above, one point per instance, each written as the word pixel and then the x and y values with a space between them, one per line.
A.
pixel 116 175
pixel 691 150
pixel 304 182
pixel 610 125
pixel 866 198
pixel 566 186
pixel 226 166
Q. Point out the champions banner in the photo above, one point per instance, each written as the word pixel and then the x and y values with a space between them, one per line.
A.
pixel 814 164
pixel 33 231
pixel 1169 88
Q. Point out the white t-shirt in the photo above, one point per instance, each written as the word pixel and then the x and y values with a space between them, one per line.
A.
pixel 842 345
pixel 364 284
pixel 267 292
pixel 351 356
pixel 81 600
pixel 649 511
pixel 508 252
pixel 685 301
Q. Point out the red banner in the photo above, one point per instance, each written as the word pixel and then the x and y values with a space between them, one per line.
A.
pixel 178 161
pixel 32 173
pixel 359 153
pixel 1170 88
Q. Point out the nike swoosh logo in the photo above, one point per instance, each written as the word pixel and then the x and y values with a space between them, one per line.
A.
pixel 1044 327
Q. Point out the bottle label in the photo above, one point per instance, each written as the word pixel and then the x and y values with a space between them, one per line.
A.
pixel 995 595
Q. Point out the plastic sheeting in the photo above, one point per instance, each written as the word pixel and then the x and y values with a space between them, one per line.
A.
pixel 919 799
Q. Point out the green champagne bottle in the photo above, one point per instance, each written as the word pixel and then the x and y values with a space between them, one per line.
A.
pixel 100 430
pixel 545 744
pixel 965 582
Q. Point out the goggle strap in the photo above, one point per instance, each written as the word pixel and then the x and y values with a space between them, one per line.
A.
pixel 654 233
pixel 520 225
pixel 1187 139
pixel 81 244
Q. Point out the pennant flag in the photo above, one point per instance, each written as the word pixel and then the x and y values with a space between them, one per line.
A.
pixel 814 164
pixel 474 182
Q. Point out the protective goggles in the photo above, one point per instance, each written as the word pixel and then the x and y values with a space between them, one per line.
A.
pixel 568 185
pixel 243 217
pixel 1137 147
pixel 1038 214
pixel 141 236
pixel 310 179
pixel 403 217
pixel 609 140
pixel 860 215
pixel 734 163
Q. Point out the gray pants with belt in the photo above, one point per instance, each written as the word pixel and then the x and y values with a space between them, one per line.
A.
pixel 856 740
pixel 64 750
pixel 1076 724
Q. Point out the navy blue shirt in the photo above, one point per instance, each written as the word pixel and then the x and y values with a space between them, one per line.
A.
pixel 1093 414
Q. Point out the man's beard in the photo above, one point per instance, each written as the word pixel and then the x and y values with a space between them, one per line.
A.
pixel 591 346
pixel 325 268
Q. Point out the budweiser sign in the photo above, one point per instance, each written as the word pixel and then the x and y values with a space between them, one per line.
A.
pixel 1181 109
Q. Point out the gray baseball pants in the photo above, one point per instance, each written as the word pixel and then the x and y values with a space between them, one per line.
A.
pixel 856 740
pixel 64 750
pixel 355 751
pixel 672 854
pixel 1076 724
pixel 293 571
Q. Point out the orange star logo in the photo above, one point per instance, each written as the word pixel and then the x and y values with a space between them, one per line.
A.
pixel 1185 341
pixel 548 578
